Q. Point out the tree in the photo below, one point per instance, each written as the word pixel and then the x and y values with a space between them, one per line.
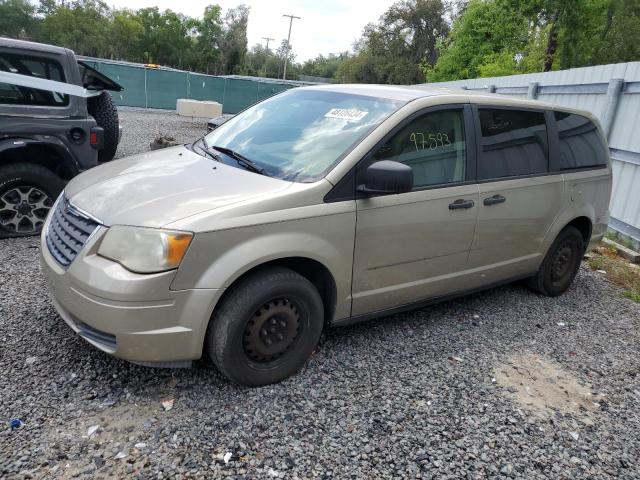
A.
pixel 126 33
pixel 261 62
pixel 485 38
pixel 81 25
pixel 209 34
pixel 620 34
pixel 17 19
pixel 400 46
pixel 503 37
pixel 233 43
pixel 164 39
pixel 322 66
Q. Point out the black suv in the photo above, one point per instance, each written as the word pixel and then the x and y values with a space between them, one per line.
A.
pixel 48 136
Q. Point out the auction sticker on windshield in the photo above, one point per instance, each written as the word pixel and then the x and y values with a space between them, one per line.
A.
pixel 349 114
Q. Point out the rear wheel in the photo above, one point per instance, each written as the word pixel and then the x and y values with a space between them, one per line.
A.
pixel 266 328
pixel 105 112
pixel 27 193
pixel 560 265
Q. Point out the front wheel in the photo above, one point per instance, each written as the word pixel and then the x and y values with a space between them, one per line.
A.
pixel 266 328
pixel 560 265
pixel 27 193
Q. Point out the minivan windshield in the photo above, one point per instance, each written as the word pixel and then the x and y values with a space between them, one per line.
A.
pixel 299 135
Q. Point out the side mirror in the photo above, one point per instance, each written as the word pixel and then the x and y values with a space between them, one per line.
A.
pixel 387 176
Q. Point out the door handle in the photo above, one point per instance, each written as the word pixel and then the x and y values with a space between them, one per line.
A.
pixel 494 200
pixel 460 204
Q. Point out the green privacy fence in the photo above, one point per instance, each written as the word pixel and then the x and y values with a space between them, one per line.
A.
pixel 162 87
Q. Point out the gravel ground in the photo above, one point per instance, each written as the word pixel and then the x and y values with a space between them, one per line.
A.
pixel 140 127
pixel 425 394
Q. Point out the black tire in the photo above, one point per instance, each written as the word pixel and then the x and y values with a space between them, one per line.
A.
pixel 105 113
pixel 27 193
pixel 560 265
pixel 266 328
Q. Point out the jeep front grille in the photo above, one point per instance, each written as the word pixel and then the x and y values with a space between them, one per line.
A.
pixel 68 232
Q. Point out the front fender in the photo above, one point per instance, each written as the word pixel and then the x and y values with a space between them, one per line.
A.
pixel 69 163
pixel 219 258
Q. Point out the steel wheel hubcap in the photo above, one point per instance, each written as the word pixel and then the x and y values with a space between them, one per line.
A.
pixel 272 330
pixel 562 262
pixel 23 209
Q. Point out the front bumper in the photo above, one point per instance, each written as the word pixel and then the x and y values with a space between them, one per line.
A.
pixel 132 316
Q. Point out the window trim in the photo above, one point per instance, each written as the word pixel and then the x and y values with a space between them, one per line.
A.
pixel 555 166
pixel 46 57
pixel 478 129
pixel 345 189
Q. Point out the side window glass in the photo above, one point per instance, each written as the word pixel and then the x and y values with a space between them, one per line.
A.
pixel 433 145
pixel 513 142
pixel 580 143
pixel 35 67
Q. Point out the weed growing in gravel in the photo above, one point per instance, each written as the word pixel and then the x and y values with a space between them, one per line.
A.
pixel 632 295
pixel 618 270
pixel 621 239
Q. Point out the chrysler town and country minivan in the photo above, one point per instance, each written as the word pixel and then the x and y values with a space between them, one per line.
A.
pixel 323 205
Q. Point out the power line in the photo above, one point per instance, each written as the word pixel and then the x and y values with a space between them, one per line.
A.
pixel 286 57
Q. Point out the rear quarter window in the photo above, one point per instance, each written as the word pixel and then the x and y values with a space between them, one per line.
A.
pixel 580 143
pixel 32 66
pixel 513 143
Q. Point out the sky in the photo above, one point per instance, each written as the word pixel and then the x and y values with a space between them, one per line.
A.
pixel 326 26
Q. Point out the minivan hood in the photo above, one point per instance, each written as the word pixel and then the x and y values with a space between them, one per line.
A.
pixel 157 188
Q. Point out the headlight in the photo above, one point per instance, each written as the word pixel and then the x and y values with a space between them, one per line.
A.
pixel 145 250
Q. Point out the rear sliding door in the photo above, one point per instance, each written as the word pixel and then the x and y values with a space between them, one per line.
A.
pixel 519 197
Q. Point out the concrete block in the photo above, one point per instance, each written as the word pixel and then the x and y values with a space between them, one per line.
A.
pixel 624 252
pixel 196 108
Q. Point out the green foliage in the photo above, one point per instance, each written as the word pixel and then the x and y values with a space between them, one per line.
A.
pixel 439 39
pixel 322 66
pixel 505 37
pixel 484 39
pixel 89 27
pixel 398 48
pixel 17 18
pixel 630 294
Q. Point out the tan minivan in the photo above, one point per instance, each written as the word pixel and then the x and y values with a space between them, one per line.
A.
pixel 322 206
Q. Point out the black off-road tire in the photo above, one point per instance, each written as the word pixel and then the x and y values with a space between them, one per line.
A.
pixel 240 328
pixel 27 183
pixel 105 113
pixel 560 265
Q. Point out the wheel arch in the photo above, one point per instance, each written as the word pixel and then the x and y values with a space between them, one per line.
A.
pixel 583 220
pixel 584 226
pixel 313 270
pixel 48 153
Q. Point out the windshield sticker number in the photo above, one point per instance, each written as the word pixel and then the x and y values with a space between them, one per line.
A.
pixel 432 141
pixel 348 114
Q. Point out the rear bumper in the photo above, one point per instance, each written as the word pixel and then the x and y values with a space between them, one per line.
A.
pixel 131 316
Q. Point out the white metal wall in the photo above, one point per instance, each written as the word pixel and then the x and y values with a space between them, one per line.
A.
pixel 593 89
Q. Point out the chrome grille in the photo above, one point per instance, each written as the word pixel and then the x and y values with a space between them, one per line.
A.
pixel 67 233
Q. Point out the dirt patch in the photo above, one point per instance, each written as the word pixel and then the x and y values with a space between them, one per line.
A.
pixel 543 387
pixel 116 444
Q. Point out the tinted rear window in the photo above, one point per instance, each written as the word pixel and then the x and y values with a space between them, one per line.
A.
pixel 580 142
pixel 513 142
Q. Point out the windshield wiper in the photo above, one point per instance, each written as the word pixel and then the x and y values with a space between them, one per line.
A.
pixel 206 150
pixel 241 159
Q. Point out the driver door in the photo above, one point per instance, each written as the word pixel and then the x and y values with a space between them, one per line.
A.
pixel 415 246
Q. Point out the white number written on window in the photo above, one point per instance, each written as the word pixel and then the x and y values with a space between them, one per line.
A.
pixel 429 140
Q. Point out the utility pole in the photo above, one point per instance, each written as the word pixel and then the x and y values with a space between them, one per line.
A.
pixel 291 18
pixel 267 39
